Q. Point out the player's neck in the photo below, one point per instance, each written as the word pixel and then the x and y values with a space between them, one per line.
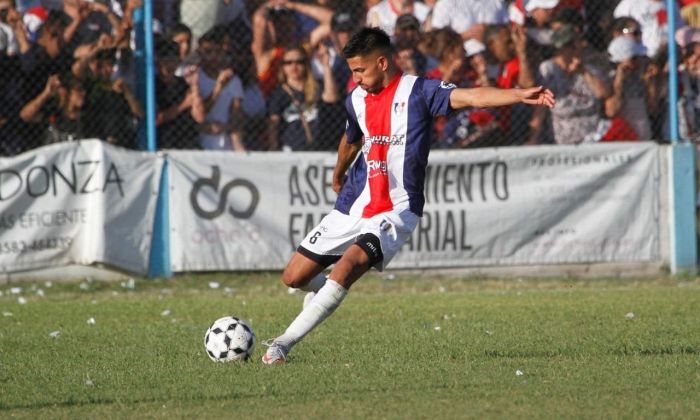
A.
pixel 390 76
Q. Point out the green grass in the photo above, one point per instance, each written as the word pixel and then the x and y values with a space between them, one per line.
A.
pixel 402 348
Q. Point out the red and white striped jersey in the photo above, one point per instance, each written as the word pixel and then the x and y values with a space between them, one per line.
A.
pixel 395 128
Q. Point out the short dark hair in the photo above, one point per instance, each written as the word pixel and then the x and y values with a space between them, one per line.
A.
pixel 179 28
pixel 166 48
pixel 213 35
pixel 569 15
pixel 494 31
pixel 366 41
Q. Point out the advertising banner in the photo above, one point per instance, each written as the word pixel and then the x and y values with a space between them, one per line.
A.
pixel 77 203
pixel 544 205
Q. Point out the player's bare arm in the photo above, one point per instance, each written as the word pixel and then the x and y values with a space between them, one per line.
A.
pixel 346 156
pixel 484 97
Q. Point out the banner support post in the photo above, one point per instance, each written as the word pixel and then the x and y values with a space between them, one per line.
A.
pixel 682 165
pixel 159 258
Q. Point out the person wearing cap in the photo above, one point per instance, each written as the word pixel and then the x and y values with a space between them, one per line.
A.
pixel 384 14
pixel 477 71
pixel 179 105
pixel 580 89
pixel 589 54
pixel 468 17
pixel 333 35
pixel 652 15
pixel 634 91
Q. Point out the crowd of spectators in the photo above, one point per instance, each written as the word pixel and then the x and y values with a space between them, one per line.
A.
pixel 252 75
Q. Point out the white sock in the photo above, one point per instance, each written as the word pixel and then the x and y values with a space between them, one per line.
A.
pixel 326 301
pixel 315 284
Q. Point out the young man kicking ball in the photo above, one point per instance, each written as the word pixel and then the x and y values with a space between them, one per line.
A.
pixel 381 199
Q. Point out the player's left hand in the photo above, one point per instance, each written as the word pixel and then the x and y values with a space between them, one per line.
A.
pixel 538 96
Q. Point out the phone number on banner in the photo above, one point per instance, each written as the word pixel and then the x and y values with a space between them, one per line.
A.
pixel 22 247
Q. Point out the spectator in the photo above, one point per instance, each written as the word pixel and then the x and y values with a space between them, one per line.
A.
pixel 409 59
pixel 407 27
pixel 61 105
pixel 408 34
pixel 579 89
pixel 274 30
pixel 309 18
pixel 589 54
pixel 634 91
pixel 463 128
pixel 508 66
pixel 477 69
pixel 294 107
pixel 627 26
pixel 507 57
pixel 468 17
pixel 652 17
pixel 689 77
pixel 223 93
pixel 90 20
pixel 202 15
pixel 448 48
pixel 253 105
pixel 11 47
pixel 179 103
pixel 535 19
pixel 44 58
pixel 335 35
pixel 182 36
pixel 106 90
pixel 384 14
pixel 9 100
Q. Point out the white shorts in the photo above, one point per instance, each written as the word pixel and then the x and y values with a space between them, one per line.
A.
pixel 327 242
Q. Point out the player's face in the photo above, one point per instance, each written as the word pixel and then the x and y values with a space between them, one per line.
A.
pixel 368 70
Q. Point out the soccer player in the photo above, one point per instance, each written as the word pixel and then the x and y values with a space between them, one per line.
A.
pixel 380 201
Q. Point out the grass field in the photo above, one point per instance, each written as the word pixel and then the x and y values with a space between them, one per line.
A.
pixel 401 348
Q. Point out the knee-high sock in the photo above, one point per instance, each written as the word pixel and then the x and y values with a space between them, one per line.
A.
pixel 315 284
pixel 326 301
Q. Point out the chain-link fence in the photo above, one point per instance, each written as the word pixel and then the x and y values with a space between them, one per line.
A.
pixel 248 75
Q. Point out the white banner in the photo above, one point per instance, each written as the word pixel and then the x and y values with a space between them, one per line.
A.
pixel 77 203
pixel 543 205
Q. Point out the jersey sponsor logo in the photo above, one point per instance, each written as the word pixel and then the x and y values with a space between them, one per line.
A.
pixel 447 85
pixel 377 168
pixel 393 140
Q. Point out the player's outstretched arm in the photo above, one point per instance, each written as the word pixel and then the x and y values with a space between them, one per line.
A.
pixel 346 156
pixel 485 97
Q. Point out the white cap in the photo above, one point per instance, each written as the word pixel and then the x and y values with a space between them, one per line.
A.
pixel 623 48
pixel 531 5
pixel 473 47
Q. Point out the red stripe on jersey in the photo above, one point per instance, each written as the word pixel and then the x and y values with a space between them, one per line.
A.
pixel 378 109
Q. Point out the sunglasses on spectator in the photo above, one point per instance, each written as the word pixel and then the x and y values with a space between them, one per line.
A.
pixel 632 31
pixel 299 61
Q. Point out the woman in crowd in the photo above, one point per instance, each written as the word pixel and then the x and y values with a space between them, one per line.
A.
pixel 298 104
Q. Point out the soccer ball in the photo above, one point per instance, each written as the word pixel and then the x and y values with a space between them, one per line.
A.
pixel 229 339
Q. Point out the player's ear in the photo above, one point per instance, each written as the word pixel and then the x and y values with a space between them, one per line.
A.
pixel 383 62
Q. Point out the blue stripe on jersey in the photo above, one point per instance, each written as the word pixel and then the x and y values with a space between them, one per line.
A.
pixel 353 131
pixel 428 98
pixel 353 186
